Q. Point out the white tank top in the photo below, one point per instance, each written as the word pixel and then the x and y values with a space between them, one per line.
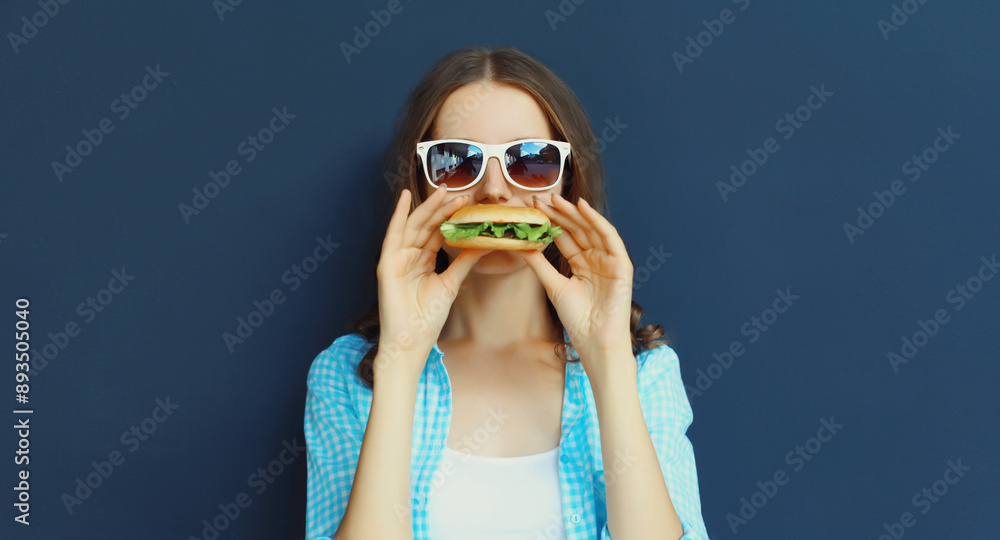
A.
pixel 496 498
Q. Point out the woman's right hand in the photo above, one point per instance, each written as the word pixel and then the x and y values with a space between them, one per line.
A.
pixel 413 299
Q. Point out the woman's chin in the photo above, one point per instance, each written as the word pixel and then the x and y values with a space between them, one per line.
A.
pixel 500 258
pixel 495 262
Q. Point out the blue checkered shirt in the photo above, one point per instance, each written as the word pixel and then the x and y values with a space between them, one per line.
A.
pixel 338 405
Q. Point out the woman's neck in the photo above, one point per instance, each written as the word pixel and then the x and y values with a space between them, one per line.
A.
pixel 496 311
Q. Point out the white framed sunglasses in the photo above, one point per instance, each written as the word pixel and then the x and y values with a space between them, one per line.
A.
pixel 530 164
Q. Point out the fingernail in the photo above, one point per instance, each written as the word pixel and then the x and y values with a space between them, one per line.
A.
pixel 584 201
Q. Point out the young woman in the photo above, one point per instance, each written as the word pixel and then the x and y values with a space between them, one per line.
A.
pixel 499 394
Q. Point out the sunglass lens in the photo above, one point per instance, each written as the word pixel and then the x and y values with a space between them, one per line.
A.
pixel 534 164
pixel 454 165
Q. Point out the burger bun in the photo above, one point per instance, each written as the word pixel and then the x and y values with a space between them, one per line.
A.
pixel 497 213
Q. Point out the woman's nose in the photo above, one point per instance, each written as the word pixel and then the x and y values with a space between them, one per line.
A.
pixel 493 188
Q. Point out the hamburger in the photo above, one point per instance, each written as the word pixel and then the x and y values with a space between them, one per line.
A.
pixel 494 226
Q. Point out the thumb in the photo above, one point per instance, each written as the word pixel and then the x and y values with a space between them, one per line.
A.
pixel 459 268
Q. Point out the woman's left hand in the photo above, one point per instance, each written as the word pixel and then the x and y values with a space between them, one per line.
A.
pixel 595 304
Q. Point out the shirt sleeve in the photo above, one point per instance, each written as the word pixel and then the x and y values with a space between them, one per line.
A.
pixel 333 435
pixel 667 412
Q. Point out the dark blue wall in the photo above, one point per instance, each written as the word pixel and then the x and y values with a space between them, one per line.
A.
pixel 886 93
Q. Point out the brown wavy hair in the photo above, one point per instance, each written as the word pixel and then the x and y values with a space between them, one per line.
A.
pixel 569 121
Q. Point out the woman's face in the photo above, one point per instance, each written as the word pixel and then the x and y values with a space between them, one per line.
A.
pixel 492 113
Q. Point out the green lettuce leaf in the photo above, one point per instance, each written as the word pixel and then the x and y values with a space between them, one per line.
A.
pixel 533 233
